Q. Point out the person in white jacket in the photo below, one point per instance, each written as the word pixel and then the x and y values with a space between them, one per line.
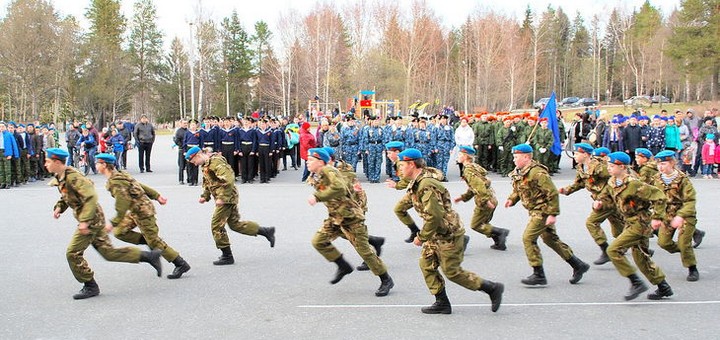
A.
pixel 464 136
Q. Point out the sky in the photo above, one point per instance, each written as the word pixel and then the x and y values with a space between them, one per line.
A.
pixel 174 15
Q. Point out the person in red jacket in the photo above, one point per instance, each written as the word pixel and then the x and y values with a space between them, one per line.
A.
pixel 307 142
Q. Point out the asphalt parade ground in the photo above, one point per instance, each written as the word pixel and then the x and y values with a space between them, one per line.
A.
pixel 284 293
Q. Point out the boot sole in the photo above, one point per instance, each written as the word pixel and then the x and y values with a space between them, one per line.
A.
pixel 182 270
pixel 340 276
pixel 635 295
pixel 496 297
pixel 584 269
pixel 379 293
pixel 425 311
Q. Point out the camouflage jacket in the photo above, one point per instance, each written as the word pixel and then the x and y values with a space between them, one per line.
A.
pixel 219 180
pixel 647 172
pixel 484 133
pixel 543 139
pixel 594 178
pixel 478 185
pixel 333 190
pixel 130 196
pixel 680 195
pixel 404 183
pixel 432 202
pixel 78 193
pixel 532 185
pixel 635 199
pixel 351 177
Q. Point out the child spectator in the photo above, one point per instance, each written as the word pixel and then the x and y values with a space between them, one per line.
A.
pixel 118 146
pixel 688 157
pixel 708 156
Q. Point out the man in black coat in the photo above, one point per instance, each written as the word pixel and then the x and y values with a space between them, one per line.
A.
pixel 632 138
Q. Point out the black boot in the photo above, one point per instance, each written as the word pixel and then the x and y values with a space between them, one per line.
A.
pixel 637 286
pixel 603 259
pixel 495 290
pixel 499 235
pixel 693 274
pixel 537 278
pixel 386 283
pixel 344 268
pixel 663 290
pixel 153 258
pixel 181 267
pixel 377 243
pixel 413 233
pixel 441 305
pixel 226 258
pixel 88 290
pixel 698 237
pixel 269 234
pixel 466 240
pixel 579 268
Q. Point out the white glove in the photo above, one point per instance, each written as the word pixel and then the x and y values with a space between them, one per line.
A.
pixel 513 128
pixel 543 150
pixel 501 148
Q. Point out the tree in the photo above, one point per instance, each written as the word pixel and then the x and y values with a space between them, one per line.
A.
pixel 237 61
pixel 146 52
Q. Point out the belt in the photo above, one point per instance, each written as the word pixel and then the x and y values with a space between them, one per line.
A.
pixel 351 143
pixel 192 145
pixel 246 143
pixel 263 144
pixel 208 143
pixel 375 142
pixel 228 143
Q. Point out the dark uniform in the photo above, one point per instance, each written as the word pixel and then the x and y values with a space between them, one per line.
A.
pixel 192 139
pixel 246 146
pixel 226 139
pixel 179 140
pixel 264 141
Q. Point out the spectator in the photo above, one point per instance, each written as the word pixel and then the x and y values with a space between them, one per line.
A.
pixel 71 138
pixel 631 138
pixel 707 129
pixel 464 136
pixel 144 138
pixel 126 133
pixel 708 156
pixel 307 142
pixel 117 145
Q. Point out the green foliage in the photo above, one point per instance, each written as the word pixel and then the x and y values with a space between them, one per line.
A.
pixel 695 40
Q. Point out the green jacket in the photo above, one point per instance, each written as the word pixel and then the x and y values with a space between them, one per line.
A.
pixel 404 183
pixel 432 202
pixel 478 185
pixel 532 185
pixel 635 199
pixel 647 172
pixel 219 180
pixel 506 137
pixel 594 178
pixel 130 195
pixel 78 193
pixel 680 195
pixel 333 190
pixel 484 133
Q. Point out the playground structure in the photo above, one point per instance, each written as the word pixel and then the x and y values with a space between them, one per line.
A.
pixel 368 105
pixel 315 108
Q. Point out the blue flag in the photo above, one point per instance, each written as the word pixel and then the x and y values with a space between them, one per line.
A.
pixel 550 112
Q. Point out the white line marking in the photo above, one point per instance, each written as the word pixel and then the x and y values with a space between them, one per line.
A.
pixel 541 304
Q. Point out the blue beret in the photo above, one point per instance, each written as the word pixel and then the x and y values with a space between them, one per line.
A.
pixel 43 126
pixel 57 153
pixel 664 156
pixel 106 157
pixel 665 118
pixel 522 148
pixel 395 146
pixel 623 119
pixel 710 136
pixel 410 154
pixel 645 118
pixel 615 121
pixel 21 125
pixel 329 150
pixel 11 123
pixel 583 147
pixel 190 153
pixel 644 152
pixel 657 117
pixel 619 158
pixel 320 154
pixel 31 124
pixel 467 149
pixel 601 151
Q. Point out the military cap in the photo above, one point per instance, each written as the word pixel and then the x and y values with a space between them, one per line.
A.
pixel 710 136
pixel 395 146
pixel 643 152
pixel 601 151
pixel 619 158
pixel 57 153
pixel 644 118
pixel 615 121
pixel 21 125
pixel 657 117
pixel 665 155
pixel 190 153
pixel 43 126
pixel 330 151
pixel 320 154
pixel 106 157
pixel 583 147
pixel 410 155
pixel 31 124
pixel 467 150
pixel 544 119
pixel 11 123
pixel 2 122
pixel 522 148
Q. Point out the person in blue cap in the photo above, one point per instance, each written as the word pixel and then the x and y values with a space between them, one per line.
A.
pixel 8 152
pixel 613 136
pixel 346 218
pixel 134 208
pixel 475 176
pixel 532 185
pixel 647 168
pixel 78 193
pixel 441 237
pixel 681 213
pixel 592 174
pixel 643 207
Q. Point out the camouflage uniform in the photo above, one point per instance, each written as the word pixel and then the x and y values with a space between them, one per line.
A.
pixel 479 187
pixel 133 208
pixel 648 172
pixel 346 219
pixel 405 203
pixel 543 139
pixel 506 138
pixel 219 181
pixel 78 192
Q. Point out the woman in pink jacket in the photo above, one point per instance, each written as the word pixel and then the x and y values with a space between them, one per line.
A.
pixel 307 142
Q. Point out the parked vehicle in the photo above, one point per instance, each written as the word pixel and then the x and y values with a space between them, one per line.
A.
pixel 568 101
pixel 638 101
pixel 541 103
pixel 660 99
pixel 585 102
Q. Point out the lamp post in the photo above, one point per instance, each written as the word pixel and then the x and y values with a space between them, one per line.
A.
pixel 192 72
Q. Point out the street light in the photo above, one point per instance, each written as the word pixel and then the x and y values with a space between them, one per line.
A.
pixel 192 72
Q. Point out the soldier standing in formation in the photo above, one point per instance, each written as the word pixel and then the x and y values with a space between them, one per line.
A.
pixel 8 152
pixel 350 139
pixel 643 208
pixel 345 217
pixel 218 181
pixel 78 193
pixel 193 138
pixel 532 185
pixel 134 208
pixel 441 237
pixel 179 140
pixel 246 149
pixel 371 144
pixel 445 142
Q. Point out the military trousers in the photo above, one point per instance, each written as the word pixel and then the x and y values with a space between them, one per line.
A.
pixel 597 217
pixel 401 210
pixel 684 240
pixel 355 232
pixel 23 166
pixel 481 218
pixel 448 256
pixel 635 236
pixel 98 238
pixel 228 214
pixel 5 168
pixel 375 158
pixel 505 160
pixel 536 228
pixel 148 230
